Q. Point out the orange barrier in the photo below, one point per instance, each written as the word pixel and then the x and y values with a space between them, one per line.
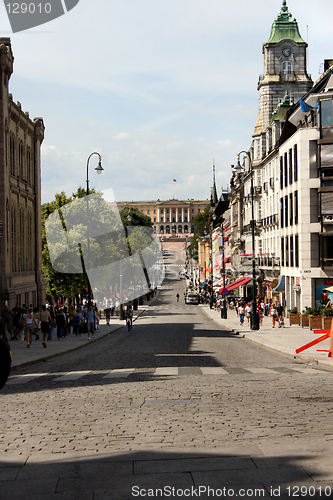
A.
pixel 327 334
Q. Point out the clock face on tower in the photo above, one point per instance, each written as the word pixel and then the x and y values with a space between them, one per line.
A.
pixel 286 52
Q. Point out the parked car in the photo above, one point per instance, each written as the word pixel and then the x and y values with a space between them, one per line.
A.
pixel 192 298
pixel 5 361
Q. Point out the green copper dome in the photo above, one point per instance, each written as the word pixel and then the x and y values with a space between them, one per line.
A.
pixel 285 27
pixel 280 112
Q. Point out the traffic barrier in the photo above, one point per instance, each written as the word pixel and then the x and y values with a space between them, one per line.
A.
pixel 327 334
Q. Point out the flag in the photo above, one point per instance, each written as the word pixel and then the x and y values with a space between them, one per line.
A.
pixel 174 180
pixel 306 107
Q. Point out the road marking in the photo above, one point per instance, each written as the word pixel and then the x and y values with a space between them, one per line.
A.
pixel 213 370
pixel 121 373
pixel 23 379
pixel 260 370
pixel 164 370
pixel 71 376
pixel 306 370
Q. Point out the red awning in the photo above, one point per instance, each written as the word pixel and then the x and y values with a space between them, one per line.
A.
pixel 237 283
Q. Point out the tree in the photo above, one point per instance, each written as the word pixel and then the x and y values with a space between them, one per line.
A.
pixel 201 227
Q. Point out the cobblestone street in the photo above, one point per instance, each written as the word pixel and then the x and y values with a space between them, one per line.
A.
pixel 174 402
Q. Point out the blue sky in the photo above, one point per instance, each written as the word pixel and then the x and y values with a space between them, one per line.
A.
pixel 159 88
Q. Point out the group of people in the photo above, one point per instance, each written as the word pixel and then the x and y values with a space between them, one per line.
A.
pixel 272 308
pixel 26 323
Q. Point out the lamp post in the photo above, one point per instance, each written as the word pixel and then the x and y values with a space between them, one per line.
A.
pixel 224 313
pixel 211 302
pixel 254 314
pixel 99 169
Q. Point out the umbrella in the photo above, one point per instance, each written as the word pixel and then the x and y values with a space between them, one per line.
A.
pixel 329 289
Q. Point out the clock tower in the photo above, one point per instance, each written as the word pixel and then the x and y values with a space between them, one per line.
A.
pixel 284 68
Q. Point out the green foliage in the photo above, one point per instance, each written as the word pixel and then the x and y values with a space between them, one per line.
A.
pixel 201 227
pixel 312 311
pixel 294 310
pixel 327 312
pixel 102 249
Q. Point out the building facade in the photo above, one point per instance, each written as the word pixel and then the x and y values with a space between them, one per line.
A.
pixel 20 195
pixel 291 164
pixel 171 216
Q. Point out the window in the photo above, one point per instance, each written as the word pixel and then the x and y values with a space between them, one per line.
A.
pixel 154 219
pixel 287 68
pixel 326 155
pixel 296 206
pixel 291 214
pixel 326 112
pixel 192 210
pixel 281 213
pixel 287 251
pixel 295 164
pixel 286 220
pixel 281 172
pixel 290 166
pixel 173 211
pixel 198 210
pixel 296 251
pixel 285 170
pixel 148 211
pixel 282 251
pixel 154 211
pixel 291 244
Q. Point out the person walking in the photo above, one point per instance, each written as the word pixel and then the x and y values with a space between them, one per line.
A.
pixel 60 322
pixel 29 326
pixel 273 315
pixel 45 321
pixel 177 297
pixel 77 320
pixel 280 315
pixel 241 312
pixel 248 310
pixel 91 321
pixel 129 317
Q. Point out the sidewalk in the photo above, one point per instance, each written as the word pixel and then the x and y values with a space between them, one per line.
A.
pixel 285 340
pixel 23 357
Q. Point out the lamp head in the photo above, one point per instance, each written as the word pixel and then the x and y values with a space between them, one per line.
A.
pixel 99 169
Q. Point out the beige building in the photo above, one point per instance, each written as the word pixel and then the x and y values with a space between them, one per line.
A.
pixel 171 216
pixel 20 195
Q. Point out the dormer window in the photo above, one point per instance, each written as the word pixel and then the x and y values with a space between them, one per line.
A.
pixel 287 68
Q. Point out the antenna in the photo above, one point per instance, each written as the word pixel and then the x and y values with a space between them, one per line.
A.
pixel 307 33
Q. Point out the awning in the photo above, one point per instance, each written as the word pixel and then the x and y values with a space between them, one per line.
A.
pixel 281 284
pixel 237 283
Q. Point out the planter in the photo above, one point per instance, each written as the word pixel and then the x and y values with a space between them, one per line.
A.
pixel 315 322
pixel 304 320
pixel 327 322
pixel 294 319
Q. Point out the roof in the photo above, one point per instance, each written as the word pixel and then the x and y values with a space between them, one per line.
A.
pixel 285 27
pixel 280 112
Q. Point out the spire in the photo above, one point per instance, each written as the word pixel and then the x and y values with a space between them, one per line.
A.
pixel 285 27
pixel 213 198
pixel 284 7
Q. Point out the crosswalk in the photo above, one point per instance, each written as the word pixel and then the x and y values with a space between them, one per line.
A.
pixel 162 371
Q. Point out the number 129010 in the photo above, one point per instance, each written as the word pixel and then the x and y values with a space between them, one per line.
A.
pixel 309 491
pixel 29 8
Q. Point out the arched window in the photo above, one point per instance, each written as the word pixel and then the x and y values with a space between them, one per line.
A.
pixel 287 68
pixel 12 155
pixel 162 229
pixel 167 230
pixel 13 242
pixel 180 229
pixel 20 161
pixel 185 229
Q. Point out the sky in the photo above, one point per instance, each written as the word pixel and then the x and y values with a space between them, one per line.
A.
pixel 160 89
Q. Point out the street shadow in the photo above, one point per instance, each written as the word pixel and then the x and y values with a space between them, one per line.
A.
pixel 129 475
pixel 143 349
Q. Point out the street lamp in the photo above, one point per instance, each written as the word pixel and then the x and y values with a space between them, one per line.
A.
pixel 99 169
pixel 224 313
pixel 254 314
pixel 211 301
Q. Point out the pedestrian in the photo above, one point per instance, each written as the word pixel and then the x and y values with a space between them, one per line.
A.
pixel 273 315
pixel 261 315
pixel 91 320
pixel 45 320
pixel 37 323
pixel 29 326
pixel 17 322
pixel 60 322
pixel 248 310
pixel 177 297
pixel 280 315
pixel 77 320
pixel 7 321
pixel 107 313
pixel 241 312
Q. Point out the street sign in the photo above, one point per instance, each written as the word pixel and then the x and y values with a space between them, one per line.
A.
pixel 225 291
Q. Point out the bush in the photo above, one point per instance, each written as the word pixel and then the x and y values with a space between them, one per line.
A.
pixel 294 310
pixel 327 313
pixel 312 311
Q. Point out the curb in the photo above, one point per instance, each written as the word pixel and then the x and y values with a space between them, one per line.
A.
pixel 73 349
pixel 307 360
